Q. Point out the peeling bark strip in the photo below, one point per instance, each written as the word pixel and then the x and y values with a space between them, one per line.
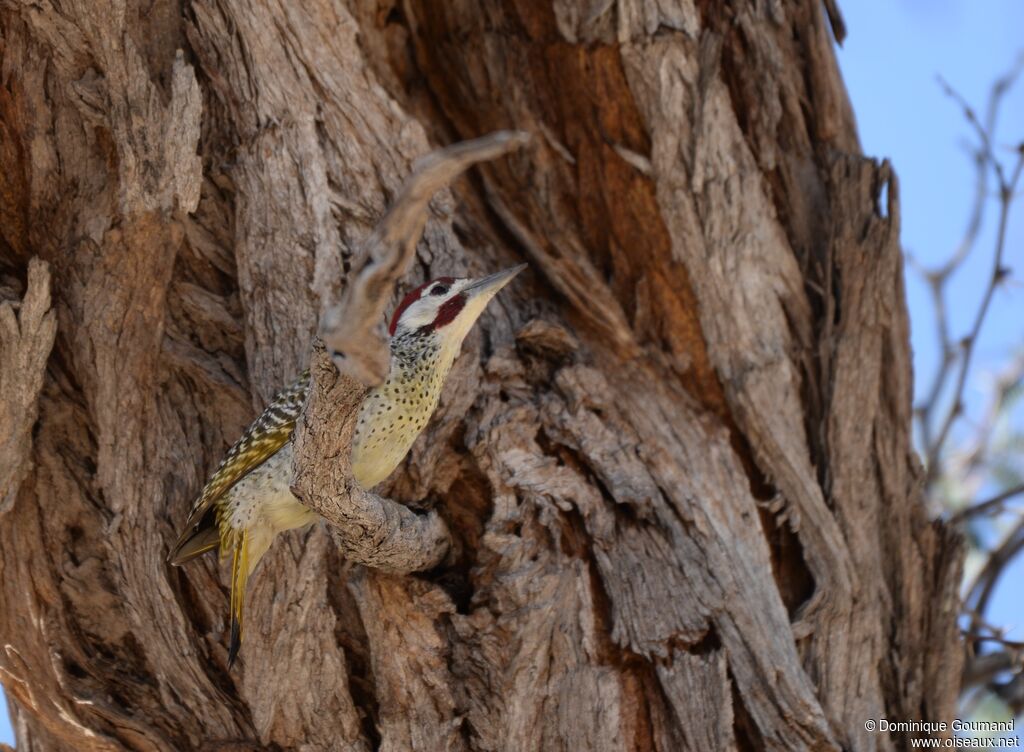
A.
pixel 27 330
pixel 676 472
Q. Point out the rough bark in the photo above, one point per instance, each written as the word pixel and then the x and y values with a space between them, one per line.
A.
pixel 27 329
pixel 675 458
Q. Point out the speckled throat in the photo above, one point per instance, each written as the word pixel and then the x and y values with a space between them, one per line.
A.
pixel 394 413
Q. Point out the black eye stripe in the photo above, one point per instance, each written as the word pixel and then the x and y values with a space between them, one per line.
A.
pixel 439 290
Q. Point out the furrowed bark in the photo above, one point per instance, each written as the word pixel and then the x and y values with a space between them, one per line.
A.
pixel 27 329
pixel 673 462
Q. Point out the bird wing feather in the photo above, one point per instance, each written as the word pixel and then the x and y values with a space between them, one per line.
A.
pixel 267 434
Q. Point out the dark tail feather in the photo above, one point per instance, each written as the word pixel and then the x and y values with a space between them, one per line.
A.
pixel 236 641
pixel 196 540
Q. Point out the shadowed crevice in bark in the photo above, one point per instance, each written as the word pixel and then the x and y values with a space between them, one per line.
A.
pixel 466 506
pixel 744 728
pixel 351 636
pixel 795 581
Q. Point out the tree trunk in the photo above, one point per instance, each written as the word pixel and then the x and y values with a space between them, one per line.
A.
pixel 675 456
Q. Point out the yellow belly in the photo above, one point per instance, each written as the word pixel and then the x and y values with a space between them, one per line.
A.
pixel 376 458
pixel 382 441
pixel 392 416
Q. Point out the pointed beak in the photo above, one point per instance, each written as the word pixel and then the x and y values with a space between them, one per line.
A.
pixel 489 285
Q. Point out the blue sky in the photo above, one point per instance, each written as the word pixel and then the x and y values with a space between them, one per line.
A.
pixel 890 62
pixel 893 53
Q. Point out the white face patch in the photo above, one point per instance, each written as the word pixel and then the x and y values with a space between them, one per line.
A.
pixel 423 311
pixel 394 413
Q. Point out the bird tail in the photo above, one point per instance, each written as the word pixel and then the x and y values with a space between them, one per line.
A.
pixel 196 540
pixel 239 575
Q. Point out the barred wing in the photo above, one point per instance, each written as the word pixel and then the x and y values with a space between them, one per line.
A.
pixel 268 433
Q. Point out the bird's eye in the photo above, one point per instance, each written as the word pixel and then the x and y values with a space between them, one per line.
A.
pixel 439 290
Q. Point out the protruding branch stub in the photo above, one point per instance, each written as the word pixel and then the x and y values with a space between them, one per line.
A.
pixel 353 330
pixel 371 529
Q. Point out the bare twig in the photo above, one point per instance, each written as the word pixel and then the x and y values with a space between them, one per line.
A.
pixel 937 278
pixel 984 668
pixel 992 506
pixel 353 330
pixel 370 529
pixel 982 631
pixel 1011 379
pixel 982 157
pixel 976 638
pixel 942 405
pixel 935 431
pixel 980 590
pixel 999 273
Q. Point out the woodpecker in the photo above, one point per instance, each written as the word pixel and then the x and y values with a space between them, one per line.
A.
pixel 247 501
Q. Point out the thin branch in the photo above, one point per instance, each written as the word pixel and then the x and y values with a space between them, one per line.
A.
pixel 976 638
pixel 999 273
pixel 982 631
pixel 986 131
pixel 1008 381
pixel 982 157
pixel 937 278
pixel 371 529
pixel 980 591
pixel 982 669
pixel 991 506
pixel 936 418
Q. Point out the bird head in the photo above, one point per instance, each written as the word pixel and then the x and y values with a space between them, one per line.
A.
pixel 448 306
